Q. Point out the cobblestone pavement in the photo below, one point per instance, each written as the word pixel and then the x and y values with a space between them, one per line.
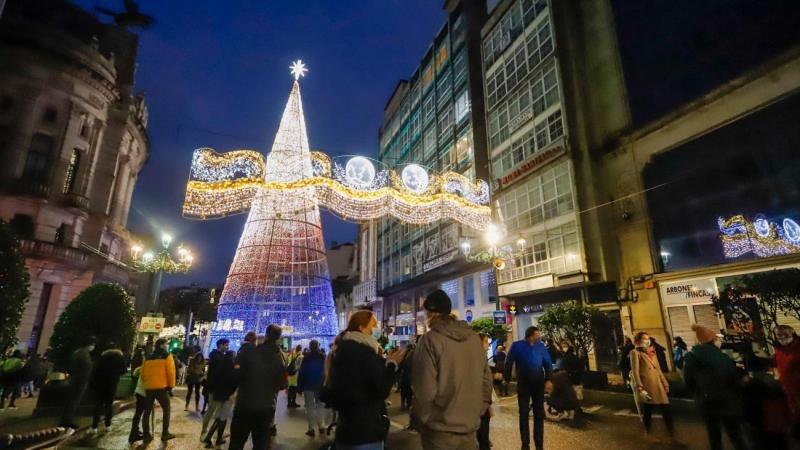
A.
pixel 599 428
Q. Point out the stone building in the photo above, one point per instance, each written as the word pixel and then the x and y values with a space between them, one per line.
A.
pixel 72 143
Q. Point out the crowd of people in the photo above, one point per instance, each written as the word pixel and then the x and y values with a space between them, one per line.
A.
pixel 446 381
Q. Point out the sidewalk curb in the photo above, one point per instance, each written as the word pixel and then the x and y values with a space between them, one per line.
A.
pixel 80 433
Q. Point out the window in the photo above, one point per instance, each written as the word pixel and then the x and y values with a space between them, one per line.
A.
pixel 462 105
pixel 39 158
pixel 459 69
pixel 441 56
pixel 554 251
pixel 488 286
pixel 429 143
pixel 539 198
pixel 50 115
pixel 429 108
pixel 427 77
pixel 443 88
pixel 446 122
pixel 72 171
pixel 463 150
pixel 469 290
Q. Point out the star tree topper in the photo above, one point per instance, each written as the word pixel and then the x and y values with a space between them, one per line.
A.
pixel 298 69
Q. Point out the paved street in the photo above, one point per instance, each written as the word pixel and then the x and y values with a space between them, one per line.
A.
pixel 614 429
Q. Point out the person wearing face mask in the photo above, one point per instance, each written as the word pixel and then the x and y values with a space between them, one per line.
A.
pixel 650 385
pixel 450 378
pixel 716 384
pixel 534 368
pixel 358 383
pixel 787 361
pixel 80 369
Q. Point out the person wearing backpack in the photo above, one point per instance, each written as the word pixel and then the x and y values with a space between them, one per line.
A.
pixel 292 367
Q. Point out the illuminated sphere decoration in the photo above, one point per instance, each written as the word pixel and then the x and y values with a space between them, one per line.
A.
pixel 359 171
pixel 415 178
pixel 791 229
pixel 761 225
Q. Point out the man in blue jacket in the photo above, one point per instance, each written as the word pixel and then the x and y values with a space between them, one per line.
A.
pixel 533 369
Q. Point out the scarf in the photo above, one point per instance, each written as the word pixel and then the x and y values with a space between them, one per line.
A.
pixel 363 339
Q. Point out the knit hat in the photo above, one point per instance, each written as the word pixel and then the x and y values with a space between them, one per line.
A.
pixel 438 301
pixel 703 334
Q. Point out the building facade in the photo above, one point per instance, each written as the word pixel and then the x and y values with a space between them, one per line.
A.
pixel 72 143
pixel 542 97
pixel 434 119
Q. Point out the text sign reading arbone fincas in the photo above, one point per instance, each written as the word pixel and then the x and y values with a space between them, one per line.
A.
pixel 499 317
pixel 151 324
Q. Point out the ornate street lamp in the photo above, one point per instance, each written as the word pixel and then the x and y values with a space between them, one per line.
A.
pixel 493 253
pixel 161 262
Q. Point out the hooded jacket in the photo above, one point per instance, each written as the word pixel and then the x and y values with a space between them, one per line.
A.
pixel 110 366
pixel 158 371
pixel 310 375
pixel 221 381
pixel 451 380
pixel 713 378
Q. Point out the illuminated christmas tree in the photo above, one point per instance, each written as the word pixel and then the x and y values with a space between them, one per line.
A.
pixel 280 273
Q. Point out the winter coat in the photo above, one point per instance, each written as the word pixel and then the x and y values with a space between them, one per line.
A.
pixel 646 373
pixel 196 370
pixel 451 379
pixel 661 356
pixel 563 396
pixel 11 371
pixel 573 365
pixel 109 367
pixel 260 375
pixel 358 383
pixel 80 368
pixel 158 371
pixel 221 381
pixel 310 375
pixel 499 360
pixel 713 379
pixel 787 361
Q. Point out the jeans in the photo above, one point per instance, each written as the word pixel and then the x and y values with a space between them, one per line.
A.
pixel 137 417
pixel 163 399
pixel 315 410
pixel 666 412
pixel 438 440
pixel 733 427
pixel 483 432
pixel 196 387
pixel 210 413
pixel 103 404
pixel 246 423
pixel 530 396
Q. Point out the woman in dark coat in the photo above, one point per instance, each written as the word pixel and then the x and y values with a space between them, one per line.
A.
pixel 359 382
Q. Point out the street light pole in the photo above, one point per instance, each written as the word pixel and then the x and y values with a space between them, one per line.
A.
pixel 147 261
pixel 156 290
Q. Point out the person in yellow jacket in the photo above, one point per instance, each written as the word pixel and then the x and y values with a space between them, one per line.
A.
pixel 158 377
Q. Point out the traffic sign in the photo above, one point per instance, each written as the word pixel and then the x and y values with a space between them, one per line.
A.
pixel 499 317
pixel 151 324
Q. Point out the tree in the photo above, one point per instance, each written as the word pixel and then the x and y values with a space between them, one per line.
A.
pixel 486 325
pixel 571 322
pixel 102 310
pixel 753 304
pixel 14 287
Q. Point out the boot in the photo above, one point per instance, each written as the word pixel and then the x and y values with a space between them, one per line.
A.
pixel 221 431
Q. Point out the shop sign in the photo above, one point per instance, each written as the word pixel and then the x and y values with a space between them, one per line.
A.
pixel 534 162
pixel 688 291
pixel 440 260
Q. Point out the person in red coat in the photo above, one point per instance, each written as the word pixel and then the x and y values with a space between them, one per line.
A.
pixel 787 360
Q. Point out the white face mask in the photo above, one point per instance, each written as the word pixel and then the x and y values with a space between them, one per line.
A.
pixel 646 343
pixel 376 333
pixel 717 343
pixel 91 348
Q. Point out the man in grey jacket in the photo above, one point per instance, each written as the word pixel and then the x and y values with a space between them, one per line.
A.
pixel 449 399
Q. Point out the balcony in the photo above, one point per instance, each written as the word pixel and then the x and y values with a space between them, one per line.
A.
pixel 75 201
pixel 30 187
pixel 60 253
pixel 365 292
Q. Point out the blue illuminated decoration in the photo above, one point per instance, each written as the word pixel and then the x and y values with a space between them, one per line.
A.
pixel 760 237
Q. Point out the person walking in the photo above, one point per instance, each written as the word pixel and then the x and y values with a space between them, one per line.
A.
pixel 787 362
pixel 406 390
pixel 137 359
pixel 195 373
pixel 661 355
pixel 80 369
pixel 359 381
pixel 625 360
pixel 499 360
pixel 11 374
pixel 309 382
pixel 716 384
pixel 679 349
pixel 140 393
pixel 295 359
pixel 260 374
pixel 484 443
pixel 649 383
pixel 109 368
pixel 534 368
pixel 158 376
pixel 451 379
pixel 221 386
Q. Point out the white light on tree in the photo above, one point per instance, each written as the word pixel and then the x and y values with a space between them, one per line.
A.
pixel 298 69
pixel 359 171
pixel 415 178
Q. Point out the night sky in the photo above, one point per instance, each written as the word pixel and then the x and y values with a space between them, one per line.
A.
pixel 216 74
